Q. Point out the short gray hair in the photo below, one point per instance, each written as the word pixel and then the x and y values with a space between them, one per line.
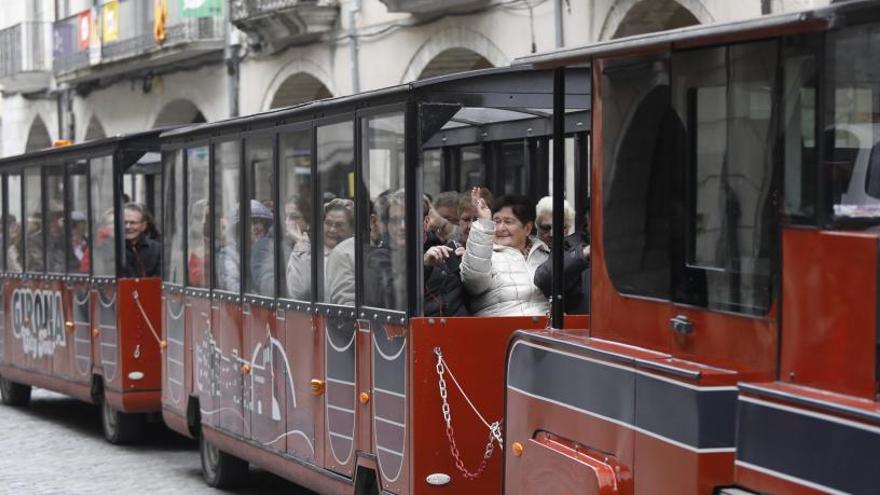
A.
pixel 545 205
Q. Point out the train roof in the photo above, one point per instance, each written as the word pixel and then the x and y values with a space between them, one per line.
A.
pixel 505 86
pixel 140 141
pixel 814 20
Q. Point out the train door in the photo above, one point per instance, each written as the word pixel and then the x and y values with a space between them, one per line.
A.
pixel 77 293
pixel 218 351
pixel 383 295
pixel 174 269
pixel 336 289
pixel 265 394
pixel 300 378
pixel 103 265
pixel 196 307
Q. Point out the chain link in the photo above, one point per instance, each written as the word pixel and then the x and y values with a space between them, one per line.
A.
pixel 494 428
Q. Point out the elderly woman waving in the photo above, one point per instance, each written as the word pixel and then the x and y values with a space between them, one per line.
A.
pixel 501 257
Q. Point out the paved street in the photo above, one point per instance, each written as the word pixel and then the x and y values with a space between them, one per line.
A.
pixel 55 446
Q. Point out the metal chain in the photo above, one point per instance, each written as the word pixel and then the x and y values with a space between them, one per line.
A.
pixel 494 428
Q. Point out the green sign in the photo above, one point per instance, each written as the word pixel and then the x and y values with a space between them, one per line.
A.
pixel 201 8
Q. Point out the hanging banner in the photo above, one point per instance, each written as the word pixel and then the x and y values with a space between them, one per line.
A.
pixel 84 29
pixel 160 15
pixel 64 36
pixel 201 8
pixel 110 17
pixel 95 37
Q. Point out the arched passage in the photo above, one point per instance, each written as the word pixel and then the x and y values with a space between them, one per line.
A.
pixel 454 60
pixel 633 17
pixel 299 88
pixel 178 112
pixel 95 130
pixel 444 46
pixel 38 136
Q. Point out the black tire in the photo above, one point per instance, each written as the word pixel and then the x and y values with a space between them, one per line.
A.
pixel 14 394
pixel 120 428
pixel 219 469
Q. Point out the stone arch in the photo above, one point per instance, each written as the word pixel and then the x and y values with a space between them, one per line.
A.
pixel 631 17
pixel 94 130
pixel 455 38
pixel 177 112
pixel 454 60
pixel 38 136
pixel 294 80
pixel 299 88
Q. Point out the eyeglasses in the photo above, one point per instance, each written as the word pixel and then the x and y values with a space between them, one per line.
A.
pixel 545 227
pixel 133 222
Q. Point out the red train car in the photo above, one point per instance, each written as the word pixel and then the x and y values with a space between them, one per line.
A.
pixel 71 320
pixel 325 371
pixel 733 342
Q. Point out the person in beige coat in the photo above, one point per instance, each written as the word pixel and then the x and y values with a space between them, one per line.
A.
pixel 501 256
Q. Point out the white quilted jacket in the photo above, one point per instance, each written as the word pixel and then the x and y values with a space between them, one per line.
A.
pixel 499 279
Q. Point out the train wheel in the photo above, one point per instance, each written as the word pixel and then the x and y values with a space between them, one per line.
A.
pixel 221 470
pixel 14 394
pixel 120 428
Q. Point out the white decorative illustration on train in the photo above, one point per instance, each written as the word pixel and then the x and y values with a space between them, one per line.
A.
pixel 38 321
pixel 217 376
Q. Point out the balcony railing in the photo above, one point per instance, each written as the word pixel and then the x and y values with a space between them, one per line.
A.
pixel 26 57
pixel 279 23
pixel 134 41
pixel 427 7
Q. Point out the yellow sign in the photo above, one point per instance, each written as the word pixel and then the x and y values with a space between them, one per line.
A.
pixel 110 17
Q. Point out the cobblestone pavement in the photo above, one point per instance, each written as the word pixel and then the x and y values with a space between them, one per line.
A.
pixel 55 446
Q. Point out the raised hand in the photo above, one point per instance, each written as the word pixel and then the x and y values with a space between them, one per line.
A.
pixel 479 204
pixel 437 255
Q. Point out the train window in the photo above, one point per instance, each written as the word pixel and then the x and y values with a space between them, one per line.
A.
pixel 725 96
pixel 850 165
pixel 227 212
pixel 432 166
pixel 4 217
pixel 799 100
pixel 295 172
pixel 259 223
pixel 198 236
pixel 103 219
pixel 56 240
pixel 33 228
pixel 383 243
pixel 472 167
pixel 14 217
pixel 638 131
pixel 174 214
pixel 335 156
pixel 78 207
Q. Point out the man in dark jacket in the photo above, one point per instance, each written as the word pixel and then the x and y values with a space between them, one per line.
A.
pixel 444 292
pixel 143 254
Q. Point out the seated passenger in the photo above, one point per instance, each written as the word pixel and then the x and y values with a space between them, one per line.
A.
pixel 576 260
pixel 13 254
pixel 143 253
pixel 338 227
pixel 197 242
pixel 262 250
pixel 467 215
pixel 500 259
pixel 55 238
pixel 229 254
pixel 297 213
pixel 34 243
pixel 444 293
pixel 383 288
pixel 379 219
pixel 79 244
pixel 446 218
